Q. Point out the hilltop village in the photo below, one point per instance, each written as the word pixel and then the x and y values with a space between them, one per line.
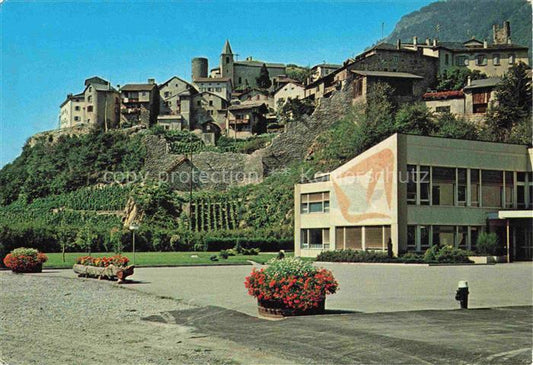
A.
pixel 240 99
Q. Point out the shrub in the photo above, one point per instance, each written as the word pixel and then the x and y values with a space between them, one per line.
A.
pixel 224 254
pixel 446 254
pixel 23 259
pixel 487 243
pixel 291 283
pixel 116 260
pixel 411 257
pixel 354 256
pixel 250 251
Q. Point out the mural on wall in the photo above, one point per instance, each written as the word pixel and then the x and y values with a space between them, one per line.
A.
pixel 363 189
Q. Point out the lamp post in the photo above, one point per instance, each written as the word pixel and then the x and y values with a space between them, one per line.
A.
pixel 133 228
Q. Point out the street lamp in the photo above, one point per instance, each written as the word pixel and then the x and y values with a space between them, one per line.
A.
pixel 133 228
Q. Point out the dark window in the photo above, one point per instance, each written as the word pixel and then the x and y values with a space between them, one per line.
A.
pixel 90 108
pixel 411 184
pixel 461 187
pixel 491 188
pixel 474 188
pixel 443 186
pixel 411 238
pixel 443 109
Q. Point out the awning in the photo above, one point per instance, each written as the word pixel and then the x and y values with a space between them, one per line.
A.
pixel 510 214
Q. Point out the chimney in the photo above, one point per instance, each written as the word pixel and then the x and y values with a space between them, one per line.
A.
pixel 428 42
pixel 151 81
pixel 435 42
pixel 485 44
pixel 118 86
pixel 399 44
pixel 415 41
pixel 468 81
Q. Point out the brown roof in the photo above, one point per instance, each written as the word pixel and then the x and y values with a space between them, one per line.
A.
pixel 403 75
pixel 138 87
pixel 247 105
pixel 212 79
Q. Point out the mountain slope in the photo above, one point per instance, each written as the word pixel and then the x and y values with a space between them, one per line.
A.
pixel 460 20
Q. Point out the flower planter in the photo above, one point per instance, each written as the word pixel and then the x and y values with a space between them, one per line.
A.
pixel 273 309
pixel 110 272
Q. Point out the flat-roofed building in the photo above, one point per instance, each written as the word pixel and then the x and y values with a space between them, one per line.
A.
pixel 415 192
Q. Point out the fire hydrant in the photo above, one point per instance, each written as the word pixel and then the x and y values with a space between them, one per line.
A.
pixel 462 294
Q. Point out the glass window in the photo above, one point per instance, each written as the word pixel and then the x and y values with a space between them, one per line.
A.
pixel 481 60
pixel 374 237
pixel 425 179
pixel 424 237
pixel 411 184
pixel 315 238
pixel 411 238
pixel 443 185
pixel 511 59
pixel 314 203
pixel 491 188
pixel 443 235
pixel 462 237
pixel 353 238
pixel 339 238
pixel 530 189
pixel 496 60
pixel 461 187
pixel 509 189
pixel 474 188
pixel 474 233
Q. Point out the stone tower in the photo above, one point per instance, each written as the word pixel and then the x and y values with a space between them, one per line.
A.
pixel 501 35
pixel 226 61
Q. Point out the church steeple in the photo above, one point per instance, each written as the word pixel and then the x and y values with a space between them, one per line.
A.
pixel 227 48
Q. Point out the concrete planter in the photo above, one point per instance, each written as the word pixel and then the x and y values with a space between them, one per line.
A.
pixel 487 259
pixel 110 272
pixel 277 310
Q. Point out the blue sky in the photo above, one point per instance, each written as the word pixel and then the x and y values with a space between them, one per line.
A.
pixel 49 48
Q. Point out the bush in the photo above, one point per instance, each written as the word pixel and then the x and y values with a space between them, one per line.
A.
pixel 446 254
pixel 291 283
pixel 23 259
pixel 224 254
pixel 487 243
pixel 411 257
pixel 354 256
pixel 250 251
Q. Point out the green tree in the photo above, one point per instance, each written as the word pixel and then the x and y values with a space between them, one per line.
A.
pixel 415 119
pixel 65 238
pixel 456 78
pixel 513 106
pixel 449 126
pixel 86 238
pixel 263 81
pixel 294 109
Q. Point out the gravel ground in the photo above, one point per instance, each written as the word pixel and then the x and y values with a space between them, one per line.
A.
pixel 54 320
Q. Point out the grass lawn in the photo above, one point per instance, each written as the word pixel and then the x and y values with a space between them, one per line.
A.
pixel 162 258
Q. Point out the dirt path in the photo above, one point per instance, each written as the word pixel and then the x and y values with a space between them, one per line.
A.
pixel 54 320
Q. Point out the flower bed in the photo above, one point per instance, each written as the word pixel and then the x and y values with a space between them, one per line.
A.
pixel 290 287
pixel 115 267
pixel 25 260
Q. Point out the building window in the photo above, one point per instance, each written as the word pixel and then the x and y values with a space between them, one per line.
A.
pixel 167 94
pixel 474 188
pixel 509 189
pixel 491 188
pixel 90 98
pixel 374 237
pixel 210 102
pixel 461 60
pixel 480 101
pixel 424 180
pixel 90 108
pixel 461 187
pixel 411 184
pixel 461 238
pixel 76 108
pixel 317 238
pixel 218 89
pixel 443 186
pixel 443 109
pixel 76 118
pixel 496 60
pixel 446 59
pixel 511 59
pixel 444 235
pixel 315 203
pixel 411 238
pixel 227 59
pixel 425 234
pixel 474 234
pixel 198 103
pixel 481 60
pixel 240 80
pixel 349 238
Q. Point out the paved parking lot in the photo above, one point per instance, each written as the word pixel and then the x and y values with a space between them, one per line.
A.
pixel 363 287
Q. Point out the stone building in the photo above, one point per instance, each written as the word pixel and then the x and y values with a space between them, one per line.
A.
pixel 208 107
pixel 175 96
pixel 288 91
pixel 321 70
pixel 243 74
pixel 140 103
pixel 257 95
pixel 217 85
pixel 492 59
pixel 98 105
pixel 246 119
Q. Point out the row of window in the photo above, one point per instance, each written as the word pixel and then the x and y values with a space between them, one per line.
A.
pixel 314 202
pixel 216 89
pixel 355 238
pixel 421 237
pixel 452 186
pixel 480 60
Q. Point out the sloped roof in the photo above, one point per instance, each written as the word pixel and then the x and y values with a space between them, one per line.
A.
pixel 138 87
pixel 212 79
pixel 172 78
pixel 227 48
pixel 402 75
pixel 255 63
pixel 247 105
pixel 478 84
pixel 327 65
pixel 444 95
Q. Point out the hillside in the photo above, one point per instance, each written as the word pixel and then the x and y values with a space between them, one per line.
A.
pixel 459 20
